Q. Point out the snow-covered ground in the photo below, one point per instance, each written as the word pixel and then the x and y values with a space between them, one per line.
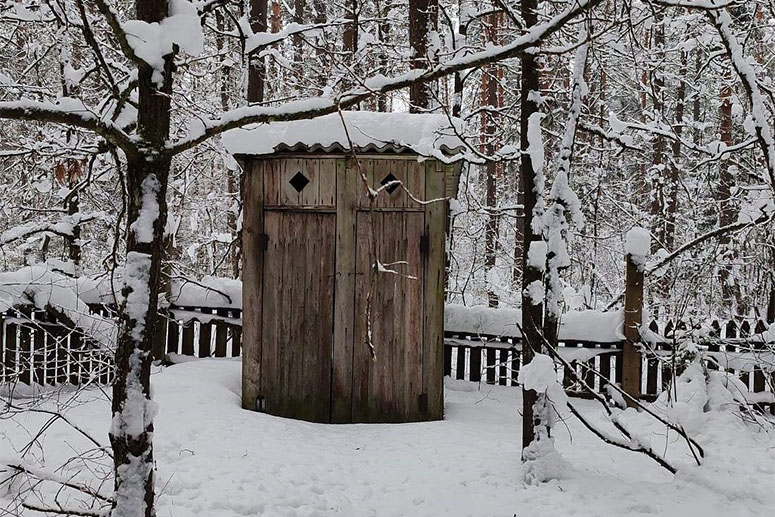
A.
pixel 216 460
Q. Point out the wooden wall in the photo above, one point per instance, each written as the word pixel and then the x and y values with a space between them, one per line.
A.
pixel 328 335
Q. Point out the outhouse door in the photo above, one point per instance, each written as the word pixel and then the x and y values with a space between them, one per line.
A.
pixel 298 288
pixel 350 303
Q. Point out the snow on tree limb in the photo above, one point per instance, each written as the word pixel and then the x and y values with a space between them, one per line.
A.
pixel 723 23
pixel 63 227
pixel 68 111
pixel 316 106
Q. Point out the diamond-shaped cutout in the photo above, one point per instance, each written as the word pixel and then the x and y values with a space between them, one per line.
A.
pixel 299 181
pixel 393 186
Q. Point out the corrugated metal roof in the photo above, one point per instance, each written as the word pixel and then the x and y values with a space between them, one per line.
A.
pixel 366 132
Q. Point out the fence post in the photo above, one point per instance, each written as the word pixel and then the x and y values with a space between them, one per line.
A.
pixel 633 313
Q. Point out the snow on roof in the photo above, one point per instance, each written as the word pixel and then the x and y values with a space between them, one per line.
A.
pixel 428 135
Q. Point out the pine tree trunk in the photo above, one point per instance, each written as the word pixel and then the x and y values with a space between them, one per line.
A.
pixel 422 19
pixel 658 170
pixel 491 96
pixel 724 192
pixel 256 64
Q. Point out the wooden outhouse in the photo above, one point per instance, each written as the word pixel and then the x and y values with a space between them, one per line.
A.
pixel 343 291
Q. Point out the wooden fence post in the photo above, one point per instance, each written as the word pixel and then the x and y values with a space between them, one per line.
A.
pixel 633 313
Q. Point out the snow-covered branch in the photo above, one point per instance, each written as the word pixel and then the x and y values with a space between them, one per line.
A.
pixel 762 126
pixel 63 227
pixel 317 106
pixel 67 111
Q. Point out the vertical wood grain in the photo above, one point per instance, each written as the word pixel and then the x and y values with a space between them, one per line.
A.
pixel 433 273
pixel 252 271
pixel 347 182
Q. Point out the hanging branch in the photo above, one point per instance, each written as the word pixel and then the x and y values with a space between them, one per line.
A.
pixel 763 129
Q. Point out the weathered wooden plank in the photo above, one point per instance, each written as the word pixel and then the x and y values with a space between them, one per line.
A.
pixel 173 336
pixel 267 191
pixel 236 336
pixel 76 369
pixel 462 360
pixel 347 182
pixel 394 196
pixel 605 369
pixel 205 335
pixel 288 168
pixel 652 366
pixel 38 351
pixel 221 334
pixel 412 347
pixel 257 175
pixel 516 359
pixel 298 314
pixel 328 181
pixel 475 373
pixel 502 373
pixel 491 359
pixel 106 370
pixel 310 194
pixel 57 335
pixel 363 167
pixel 415 183
pixel 24 364
pixel 389 388
pixel 272 295
pixel 633 314
pixel 187 347
pixel 434 244
pixel 11 349
pixel 667 373
pixel 361 346
pixel 568 377
pixel 588 371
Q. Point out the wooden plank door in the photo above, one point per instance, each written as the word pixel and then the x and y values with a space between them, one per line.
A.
pixel 298 294
pixel 387 367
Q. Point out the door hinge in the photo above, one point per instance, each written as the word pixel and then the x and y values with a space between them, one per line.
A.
pixel 263 241
pixel 424 243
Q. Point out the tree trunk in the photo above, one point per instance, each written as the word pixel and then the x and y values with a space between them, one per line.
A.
pixel 672 197
pixel 351 29
pixel 231 175
pixel 533 411
pixel 383 33
pixel 422 20
pixel 131 431
pixel 256 64
pixel 491 97
pixel 462 32
pixel 298 42
pixel 724 191
pixel 320 17
pixel 657 172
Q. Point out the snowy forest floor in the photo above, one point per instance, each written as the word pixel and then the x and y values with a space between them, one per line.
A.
pixel 215 459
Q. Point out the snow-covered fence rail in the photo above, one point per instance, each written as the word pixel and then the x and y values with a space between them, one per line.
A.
pixel 203 332
pixel 39 348
pixel 484 345
pixel 480 345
